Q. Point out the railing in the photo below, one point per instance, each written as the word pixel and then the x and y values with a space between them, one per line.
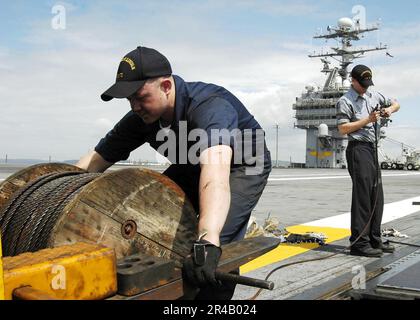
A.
pixel 316 113
pixel 315 123
pixel 314 103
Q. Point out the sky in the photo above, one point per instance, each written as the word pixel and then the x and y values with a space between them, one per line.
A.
pixel 53 71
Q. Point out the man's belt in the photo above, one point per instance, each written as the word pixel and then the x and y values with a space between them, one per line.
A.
pixel 357 142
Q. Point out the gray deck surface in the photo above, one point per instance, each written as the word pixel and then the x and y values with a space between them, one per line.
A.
pixel 295 202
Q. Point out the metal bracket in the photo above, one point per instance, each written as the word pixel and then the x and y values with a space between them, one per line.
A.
pixel 140 272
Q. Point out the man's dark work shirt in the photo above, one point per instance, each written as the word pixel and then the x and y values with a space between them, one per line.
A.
pixel 200 106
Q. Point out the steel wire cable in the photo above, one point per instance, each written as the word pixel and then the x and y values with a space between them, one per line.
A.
pixel 29 217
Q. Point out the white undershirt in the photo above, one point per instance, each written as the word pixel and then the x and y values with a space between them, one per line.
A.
pixel 166 129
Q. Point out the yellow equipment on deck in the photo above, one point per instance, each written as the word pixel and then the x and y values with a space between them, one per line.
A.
pixel 88 221
pixel 77 271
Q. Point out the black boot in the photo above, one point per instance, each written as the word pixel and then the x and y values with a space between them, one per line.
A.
pixel 385 247
pixel 366 252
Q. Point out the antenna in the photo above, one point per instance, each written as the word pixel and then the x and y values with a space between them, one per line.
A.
pixel 346 31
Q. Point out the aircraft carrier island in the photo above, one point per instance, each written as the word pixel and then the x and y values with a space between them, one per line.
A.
pixel 123 234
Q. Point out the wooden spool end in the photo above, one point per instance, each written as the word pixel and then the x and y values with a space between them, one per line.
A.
pixel 17 180
pixel 131 210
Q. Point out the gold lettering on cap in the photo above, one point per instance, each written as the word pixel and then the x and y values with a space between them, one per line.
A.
pixel 130 62
pixel 368 72
pixel 120 75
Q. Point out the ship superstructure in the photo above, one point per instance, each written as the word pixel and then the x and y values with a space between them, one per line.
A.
pixel 315 108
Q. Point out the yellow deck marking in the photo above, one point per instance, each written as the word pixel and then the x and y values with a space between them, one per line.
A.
pixel 284 251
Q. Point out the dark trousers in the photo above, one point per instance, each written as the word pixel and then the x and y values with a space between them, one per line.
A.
pixel 245 192
pixel 367 203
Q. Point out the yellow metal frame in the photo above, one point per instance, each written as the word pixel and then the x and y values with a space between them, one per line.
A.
pixel 78 271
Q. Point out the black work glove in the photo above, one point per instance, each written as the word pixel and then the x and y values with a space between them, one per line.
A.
pixel 200 266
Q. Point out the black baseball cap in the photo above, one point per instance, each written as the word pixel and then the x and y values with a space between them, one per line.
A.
pixel 135 69
pixel 363 75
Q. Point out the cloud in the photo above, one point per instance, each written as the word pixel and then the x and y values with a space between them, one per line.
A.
pixel 276 8
pixel 401 135
pixel 50 92
pixel 104 124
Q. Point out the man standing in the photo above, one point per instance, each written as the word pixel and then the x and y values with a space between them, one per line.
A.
pixel 358 113
pixel 220 185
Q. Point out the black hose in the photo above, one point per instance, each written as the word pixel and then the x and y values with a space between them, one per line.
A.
pixel 351 244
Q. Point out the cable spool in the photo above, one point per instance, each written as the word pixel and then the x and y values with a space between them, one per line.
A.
pixel 131 210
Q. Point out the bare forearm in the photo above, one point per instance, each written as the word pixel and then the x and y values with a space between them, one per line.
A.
pixel 214 207
pixel 353 126
pixel 214 193
pixel 93 162
pixel 395 107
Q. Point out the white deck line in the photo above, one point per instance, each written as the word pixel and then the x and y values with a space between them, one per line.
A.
pixel 392 211
pixel 339 177
pixel 303 175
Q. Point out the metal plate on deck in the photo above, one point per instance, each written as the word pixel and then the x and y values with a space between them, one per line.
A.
pixel 407 279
